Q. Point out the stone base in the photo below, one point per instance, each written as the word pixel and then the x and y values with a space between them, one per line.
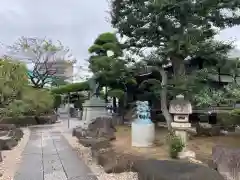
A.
pixel 143 135
pixel 94 108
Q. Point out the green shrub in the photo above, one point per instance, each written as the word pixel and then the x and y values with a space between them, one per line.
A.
pixel 176 145
pixel 230 119
pixel 20 120
pixel 74 87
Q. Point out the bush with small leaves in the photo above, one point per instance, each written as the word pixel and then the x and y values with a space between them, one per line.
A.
pixel 176 145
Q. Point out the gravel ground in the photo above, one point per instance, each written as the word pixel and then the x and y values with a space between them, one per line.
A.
pixel 12 158
pixel 85 154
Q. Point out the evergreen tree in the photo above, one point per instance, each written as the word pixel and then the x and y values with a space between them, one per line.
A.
pixel 175 26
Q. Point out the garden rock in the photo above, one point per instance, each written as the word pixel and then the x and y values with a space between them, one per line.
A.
pixel 206 129
pixel 114 162
pixel 101 127
pixel 7 142
pixel 7 127
pixel 95 143
pixel 9 136
pixel 1 159
pixel 227 161
pixel 173 170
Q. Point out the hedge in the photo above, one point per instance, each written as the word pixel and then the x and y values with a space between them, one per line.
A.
pixel 74 87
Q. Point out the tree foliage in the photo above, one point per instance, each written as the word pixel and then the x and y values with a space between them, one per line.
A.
pixel 107 63
pixel 175 26
pixel 43 54
pixel 69 88
pixel 17 98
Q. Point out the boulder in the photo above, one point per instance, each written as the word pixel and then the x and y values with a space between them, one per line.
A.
pixel 101 127
pixel 7 142
pixel 226 161
pixel 173 170
pixel 206 129
pixel 9 136
pixel 1 159
pixel 95 143
pixel 7 127
pixel 114 162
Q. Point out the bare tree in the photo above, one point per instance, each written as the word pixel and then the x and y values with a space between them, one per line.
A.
pixel 43 54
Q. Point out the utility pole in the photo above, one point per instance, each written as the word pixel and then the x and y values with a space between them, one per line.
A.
pixel 69 110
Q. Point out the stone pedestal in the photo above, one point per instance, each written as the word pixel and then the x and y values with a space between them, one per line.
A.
pixel 143 135
pixel 180 130
pixel 93 108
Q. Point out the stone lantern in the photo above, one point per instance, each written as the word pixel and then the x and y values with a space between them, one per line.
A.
pixel 180 109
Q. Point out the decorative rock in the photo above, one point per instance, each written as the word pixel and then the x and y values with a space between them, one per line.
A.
pixel 100 127
pixel 1 159
pixel 227 161
pixel 9 136
pixel 7 142
pixel 113 162
pixel 7 127
pixel 95 143
pixel 173 170
pixel 206 129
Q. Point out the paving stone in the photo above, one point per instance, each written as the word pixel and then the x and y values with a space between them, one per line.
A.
pixel 33 147
pixel 73 166
pixel 52 163
pixel 55 175
pixel 33 176
pixel 31 168
pixel 48 156
pixel 85 177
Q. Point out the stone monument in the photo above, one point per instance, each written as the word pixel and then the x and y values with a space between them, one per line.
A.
pixel 181 108
pixel 96 127
pixel 94 107
pixel 143 129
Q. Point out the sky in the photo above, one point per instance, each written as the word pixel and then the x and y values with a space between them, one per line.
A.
pixel 76 23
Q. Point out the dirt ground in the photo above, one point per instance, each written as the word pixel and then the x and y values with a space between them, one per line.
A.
pixel 202 146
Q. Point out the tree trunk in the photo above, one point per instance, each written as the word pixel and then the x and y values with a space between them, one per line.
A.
pixel 164 107
pixel 178 68
pixel 106 94
pixel 121 111
pixel 114 104
pixel 219 76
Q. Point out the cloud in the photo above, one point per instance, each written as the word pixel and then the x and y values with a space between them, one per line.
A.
pixel 230 35
pixel 75 23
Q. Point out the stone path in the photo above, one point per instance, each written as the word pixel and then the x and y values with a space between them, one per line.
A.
pixel 48 156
